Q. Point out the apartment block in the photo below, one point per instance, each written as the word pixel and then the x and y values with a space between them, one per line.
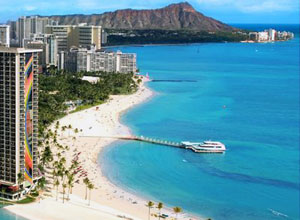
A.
pixel 82 59
pixel 5 35
pixel 18 120
pixel 48 43
pixel 76 36
pixel 31 25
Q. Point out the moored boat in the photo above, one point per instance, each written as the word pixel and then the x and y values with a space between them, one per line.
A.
pixel 205 146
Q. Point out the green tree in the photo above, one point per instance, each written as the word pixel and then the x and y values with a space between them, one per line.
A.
pixel 90 187
pixel 56 183
pixel 3 190
pixel 177 210
pixel 150 205
pixel 159 207
pixel 86 181
pixel 64 186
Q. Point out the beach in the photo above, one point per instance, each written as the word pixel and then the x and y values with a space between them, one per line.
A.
pixel 96 128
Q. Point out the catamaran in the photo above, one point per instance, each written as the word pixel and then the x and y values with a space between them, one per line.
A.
pixel 205 146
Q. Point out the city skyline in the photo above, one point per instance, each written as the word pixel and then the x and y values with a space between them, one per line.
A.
pixel 228 11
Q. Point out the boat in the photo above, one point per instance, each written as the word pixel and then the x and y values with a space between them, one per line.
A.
pixel 205 146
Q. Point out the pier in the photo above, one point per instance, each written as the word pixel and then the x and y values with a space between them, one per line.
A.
pixel 153 141
pixel 181 145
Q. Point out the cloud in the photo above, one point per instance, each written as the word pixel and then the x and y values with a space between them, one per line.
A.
pixel 252 6
pixel 30 8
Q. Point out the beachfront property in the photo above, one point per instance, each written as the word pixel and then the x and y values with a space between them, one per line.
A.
pixel 270 35
pixel 18 121
pixel 81 35
pixel 82 59
pixel 5 35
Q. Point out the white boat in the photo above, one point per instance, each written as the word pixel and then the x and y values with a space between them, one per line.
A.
pixel 205 146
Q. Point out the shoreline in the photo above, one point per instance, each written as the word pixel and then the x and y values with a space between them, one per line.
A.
pixel 104 121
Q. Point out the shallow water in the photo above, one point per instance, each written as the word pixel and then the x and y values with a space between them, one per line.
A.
pixel 245 95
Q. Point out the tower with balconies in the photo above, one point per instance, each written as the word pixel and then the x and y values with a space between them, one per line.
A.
pixel 18 121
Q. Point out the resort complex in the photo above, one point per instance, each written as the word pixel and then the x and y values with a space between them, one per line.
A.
pixel 84 60
pixel 19 121
pixel 270 35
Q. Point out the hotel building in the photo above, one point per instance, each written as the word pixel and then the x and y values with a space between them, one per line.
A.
pixel 77 60
pixel 82 35
pixel 18 120
pixel 5 35
pixel 26 26
pixel 46 42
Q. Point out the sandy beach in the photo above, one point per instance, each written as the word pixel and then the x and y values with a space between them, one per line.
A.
pixel 96 125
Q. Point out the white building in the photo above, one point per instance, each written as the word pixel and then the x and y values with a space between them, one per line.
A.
pixel 5 35
pixel 263 36
pixel 81 35
pixel 31 25
pixel 46 42
pixel 272 34
pixel 95 61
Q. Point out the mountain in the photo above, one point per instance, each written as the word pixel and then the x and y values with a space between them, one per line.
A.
pixel 181 16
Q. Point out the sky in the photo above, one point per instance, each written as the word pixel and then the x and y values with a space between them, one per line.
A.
pixel 228 11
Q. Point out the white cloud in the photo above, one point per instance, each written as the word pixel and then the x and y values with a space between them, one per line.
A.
pixel 30 8
pixel 253 5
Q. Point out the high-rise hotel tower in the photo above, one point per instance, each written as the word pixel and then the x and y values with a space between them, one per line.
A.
pixel 18 119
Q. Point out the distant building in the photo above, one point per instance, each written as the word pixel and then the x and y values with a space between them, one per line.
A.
pixel 253 36
pixel 263 36
pixel 104 37
pixel 19 120
pixel 82 35
pixel 284 35
pixel 5 35
pixel 272 34
pixel 46 42
pixel 81 59
pixel 13 29
pixel 26 26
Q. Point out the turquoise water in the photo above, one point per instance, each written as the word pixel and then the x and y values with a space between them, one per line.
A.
pixel 259 84
pixel 4 215
pixel 258 176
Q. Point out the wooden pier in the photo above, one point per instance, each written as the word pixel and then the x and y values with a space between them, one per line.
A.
pixel 153 141
pixel 157 141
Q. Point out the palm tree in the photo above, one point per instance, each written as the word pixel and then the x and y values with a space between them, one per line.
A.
pixel 64 186
pixel 86 181
pixel 54 174
pixel 57 125
pixel 150 204
pixel 56 183
pixel 177 210
pixel 90 187
pixel 70 184
pixel 160 205
pixel 46 156
pixel 3 191
pixel 20 181
pixel 42 184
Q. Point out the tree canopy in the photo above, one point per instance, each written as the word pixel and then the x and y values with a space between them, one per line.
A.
pixel 58 87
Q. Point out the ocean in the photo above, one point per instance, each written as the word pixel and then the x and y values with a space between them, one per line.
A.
pixel 244 95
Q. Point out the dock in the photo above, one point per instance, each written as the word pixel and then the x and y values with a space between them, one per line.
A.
pixel 159 142
pixel 153 141
pixel 166 143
